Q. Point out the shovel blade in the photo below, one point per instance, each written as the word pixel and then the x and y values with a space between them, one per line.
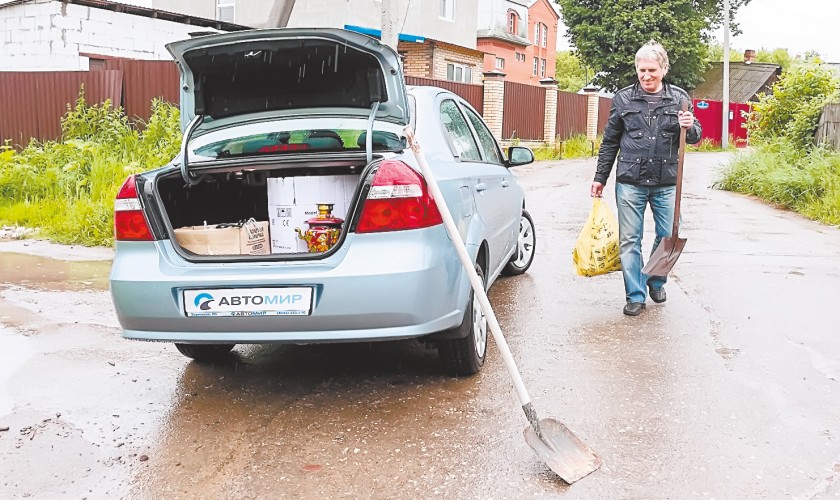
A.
pixel 564 453
pixel 665 256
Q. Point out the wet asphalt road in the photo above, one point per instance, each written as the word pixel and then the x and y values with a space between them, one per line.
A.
pixel 729 390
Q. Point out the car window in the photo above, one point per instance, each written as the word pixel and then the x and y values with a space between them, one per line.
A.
pixel 485 138
pixel 297 141
pixel 458 131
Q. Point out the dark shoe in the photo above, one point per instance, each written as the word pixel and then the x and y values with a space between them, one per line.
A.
pixel 634 308
pixel 658 296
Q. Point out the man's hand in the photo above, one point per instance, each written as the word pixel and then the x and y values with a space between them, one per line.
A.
pixel 597 190
pixel 686 119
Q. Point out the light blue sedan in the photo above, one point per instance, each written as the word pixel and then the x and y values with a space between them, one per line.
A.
pixel 266 112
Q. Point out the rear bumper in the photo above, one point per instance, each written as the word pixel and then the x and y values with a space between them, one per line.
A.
pixel 376 287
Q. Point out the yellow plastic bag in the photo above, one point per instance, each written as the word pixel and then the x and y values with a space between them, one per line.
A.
pixel 596 249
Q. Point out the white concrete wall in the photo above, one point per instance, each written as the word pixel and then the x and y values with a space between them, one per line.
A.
pixel 47 35
pixel 422 16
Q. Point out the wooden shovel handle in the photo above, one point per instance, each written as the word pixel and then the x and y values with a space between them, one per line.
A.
pixel 675 231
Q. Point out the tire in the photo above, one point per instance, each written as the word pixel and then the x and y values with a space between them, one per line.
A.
pixel 526 244
pixel 205 352
pixel 465 356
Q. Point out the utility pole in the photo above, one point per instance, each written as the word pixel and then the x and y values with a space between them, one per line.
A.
pixel 281 11
pixel 724 138
pixel 390 29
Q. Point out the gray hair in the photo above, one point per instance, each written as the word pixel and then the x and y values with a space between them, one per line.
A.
pixel 654 50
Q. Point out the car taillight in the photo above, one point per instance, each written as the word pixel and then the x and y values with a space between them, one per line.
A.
pixel 398 199
pixel 129 222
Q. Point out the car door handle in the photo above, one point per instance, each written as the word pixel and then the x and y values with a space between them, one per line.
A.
pixel 505 183
pixel 481 186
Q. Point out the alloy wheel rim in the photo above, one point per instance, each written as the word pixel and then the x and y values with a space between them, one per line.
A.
pixel 525 243
pixel 479 329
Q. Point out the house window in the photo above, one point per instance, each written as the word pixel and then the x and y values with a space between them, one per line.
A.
pixel 500 63
pixel 225 10
pixel 520 56
pixel 447 9
pixel 458 73
pixel 513 21
pixel 536 65
pixel 542 68
pixel 537 34
pixel 544 34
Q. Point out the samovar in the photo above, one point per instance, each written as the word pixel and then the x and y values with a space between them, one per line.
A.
pixel 324 229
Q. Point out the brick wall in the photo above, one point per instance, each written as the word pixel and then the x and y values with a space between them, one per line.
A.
pixel 417 59
pixel 444 53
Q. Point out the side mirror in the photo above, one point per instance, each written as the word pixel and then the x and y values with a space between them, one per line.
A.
pixel 518 155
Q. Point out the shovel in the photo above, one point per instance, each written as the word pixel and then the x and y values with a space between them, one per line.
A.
pixel 560 449
pixel 670 248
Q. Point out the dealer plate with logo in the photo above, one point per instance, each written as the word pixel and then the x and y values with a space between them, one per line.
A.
pixel 285 301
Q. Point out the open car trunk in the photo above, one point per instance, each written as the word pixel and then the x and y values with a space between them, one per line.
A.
pixel 261 212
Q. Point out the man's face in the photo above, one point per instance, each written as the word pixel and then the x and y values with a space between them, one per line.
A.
pixel 650 74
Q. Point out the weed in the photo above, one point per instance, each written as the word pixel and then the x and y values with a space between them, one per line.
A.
pixel 66 188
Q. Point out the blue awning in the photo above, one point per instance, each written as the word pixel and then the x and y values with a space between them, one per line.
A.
pixel 378 34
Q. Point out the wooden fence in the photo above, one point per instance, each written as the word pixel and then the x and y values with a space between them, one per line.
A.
pixel 523 116
pixel 828 132
pixel 604 105
pixel 473 94
pixel 571 115
pixel 32 103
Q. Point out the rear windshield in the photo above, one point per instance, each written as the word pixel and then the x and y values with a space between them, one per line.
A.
pixel 298 141
pixel 284 74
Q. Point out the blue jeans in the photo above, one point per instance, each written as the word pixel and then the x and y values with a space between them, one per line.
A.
pixel 631 202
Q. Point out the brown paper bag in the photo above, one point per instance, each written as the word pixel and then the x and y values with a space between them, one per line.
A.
pixel 239 238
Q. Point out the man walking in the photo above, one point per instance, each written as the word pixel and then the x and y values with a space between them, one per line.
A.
pixel 643 132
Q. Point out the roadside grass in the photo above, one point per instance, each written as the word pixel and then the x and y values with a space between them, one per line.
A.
pixel 66 189
pixel 786 176
pixel 707 145
pixel 575 147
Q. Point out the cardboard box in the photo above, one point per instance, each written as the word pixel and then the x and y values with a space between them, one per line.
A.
pixel 294 200
pixel 248 238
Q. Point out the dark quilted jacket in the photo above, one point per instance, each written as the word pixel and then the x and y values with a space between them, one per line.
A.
pixel 647 150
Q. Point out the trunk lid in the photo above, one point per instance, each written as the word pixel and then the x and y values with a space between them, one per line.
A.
pixel 235 77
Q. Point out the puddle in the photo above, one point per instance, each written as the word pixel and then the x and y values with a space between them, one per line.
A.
pixel 51 274
pixel 15 352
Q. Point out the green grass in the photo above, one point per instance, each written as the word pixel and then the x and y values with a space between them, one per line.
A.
pixel 576 147
pixel 807 182
pixel 65 189
pixel 707 145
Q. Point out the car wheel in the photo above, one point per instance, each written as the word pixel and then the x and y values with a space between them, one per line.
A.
pixel 465 356
pixel 526 243
pixel 205 352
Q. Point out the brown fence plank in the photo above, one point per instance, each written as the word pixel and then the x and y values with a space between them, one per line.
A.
pixel 32 103
pixel 145 81
pixel 828 132
pixel 571 115
pixel 524 112
pixel 473 94
pixel 604 105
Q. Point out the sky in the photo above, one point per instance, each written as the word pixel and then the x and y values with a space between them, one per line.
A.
pixel 796 25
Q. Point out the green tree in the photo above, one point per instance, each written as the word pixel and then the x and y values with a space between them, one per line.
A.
pixel 776 56
pixel 714 53
pixel 571 74
pixel 607 35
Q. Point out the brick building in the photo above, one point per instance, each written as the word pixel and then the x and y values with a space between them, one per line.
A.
pixel 519 38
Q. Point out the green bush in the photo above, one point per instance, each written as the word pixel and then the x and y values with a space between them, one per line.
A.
pixel 66 188
pixel 792 111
